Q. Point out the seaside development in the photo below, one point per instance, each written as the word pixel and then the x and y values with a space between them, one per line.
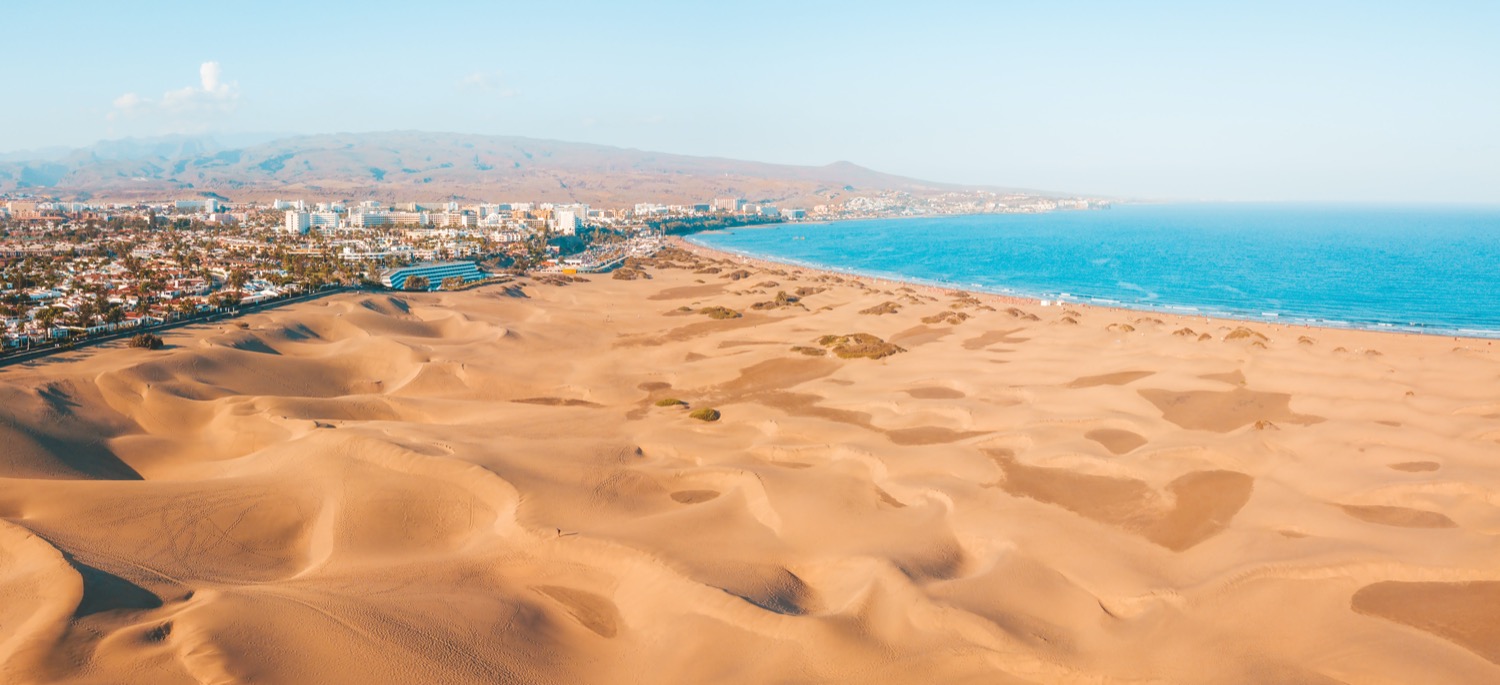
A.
pixel 72 271
pixel 724 471
pixel 697 467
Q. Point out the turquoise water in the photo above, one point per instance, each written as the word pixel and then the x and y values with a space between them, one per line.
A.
pixel 1424 269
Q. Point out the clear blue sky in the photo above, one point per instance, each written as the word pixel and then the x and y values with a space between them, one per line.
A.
pixel 1363 101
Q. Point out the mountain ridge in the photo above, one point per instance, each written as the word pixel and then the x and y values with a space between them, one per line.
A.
pixel 389 165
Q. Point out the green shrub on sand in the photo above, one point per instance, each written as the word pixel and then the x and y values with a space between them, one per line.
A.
pixel 705 414
pixel 857 345
pixel 719 313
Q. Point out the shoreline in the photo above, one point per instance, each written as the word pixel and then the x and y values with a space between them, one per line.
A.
pixel 885 477
pixel 1017 301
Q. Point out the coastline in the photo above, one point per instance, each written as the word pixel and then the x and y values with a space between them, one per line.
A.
pixel 1215 318
pixel 959 488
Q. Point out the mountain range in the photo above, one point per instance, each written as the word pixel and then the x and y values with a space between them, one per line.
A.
pixel 426 166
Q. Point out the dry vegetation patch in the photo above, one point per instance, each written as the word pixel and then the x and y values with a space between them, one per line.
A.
pixel 706 414
pixel 883 308
pixel 782 301
pixel 558 279
pixel 626 273
pixel 946 317
pixel 859 345
pixel 1243 333
pixel 719 313
pixel 967 301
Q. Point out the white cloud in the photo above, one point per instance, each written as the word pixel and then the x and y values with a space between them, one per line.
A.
pixel 492 81
pixel 128 102
pixel 209 72
pixel 213 96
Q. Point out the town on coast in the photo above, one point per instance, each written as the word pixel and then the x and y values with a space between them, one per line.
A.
pixel 74 271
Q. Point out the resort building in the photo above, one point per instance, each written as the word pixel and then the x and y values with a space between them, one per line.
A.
pixel 297 223
pixel 325 220
pixel 371 219
pixel 434 272
pixel 565 222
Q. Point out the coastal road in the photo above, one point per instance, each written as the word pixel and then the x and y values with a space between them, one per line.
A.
pixel 31 355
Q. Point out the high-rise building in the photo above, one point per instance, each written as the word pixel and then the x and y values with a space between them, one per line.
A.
pixel 731 205
pixel 565 221
pixel 324 221
pixel 297 222
pixel 207 206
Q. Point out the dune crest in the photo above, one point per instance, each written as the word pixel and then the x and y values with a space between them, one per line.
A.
pixel 507 485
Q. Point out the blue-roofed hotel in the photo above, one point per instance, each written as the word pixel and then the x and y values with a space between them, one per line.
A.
pixel 434 272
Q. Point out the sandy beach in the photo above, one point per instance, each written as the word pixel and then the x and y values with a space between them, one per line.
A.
pixel 903 484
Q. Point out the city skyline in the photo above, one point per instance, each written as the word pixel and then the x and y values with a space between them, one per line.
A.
pixel 1343 102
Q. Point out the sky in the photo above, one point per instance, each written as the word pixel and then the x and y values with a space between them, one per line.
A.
pixel 1325 100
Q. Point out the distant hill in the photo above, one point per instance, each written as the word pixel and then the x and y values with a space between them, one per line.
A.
pixel 414 165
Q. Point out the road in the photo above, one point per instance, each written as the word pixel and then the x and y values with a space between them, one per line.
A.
pixel 31 355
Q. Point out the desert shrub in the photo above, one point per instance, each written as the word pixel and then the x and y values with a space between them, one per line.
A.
pixel 882 308
pixel 967 301
pixel 1243 333
pixel 705 414
pixel 146 341
pixel 859 345
pixel 669 402
pixel 810 351
pixel 719 313
pixel 782 300
pixel 946 317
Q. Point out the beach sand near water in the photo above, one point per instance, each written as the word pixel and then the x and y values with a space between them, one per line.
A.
pixel 903 484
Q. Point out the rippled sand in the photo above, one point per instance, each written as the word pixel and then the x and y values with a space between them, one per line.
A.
pixel 494 486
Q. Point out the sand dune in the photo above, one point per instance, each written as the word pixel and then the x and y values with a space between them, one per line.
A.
pixel 478 487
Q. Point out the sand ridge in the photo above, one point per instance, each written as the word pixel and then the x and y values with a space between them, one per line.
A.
pixel 483 487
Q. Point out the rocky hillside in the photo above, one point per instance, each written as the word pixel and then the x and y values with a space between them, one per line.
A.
pixel 417 165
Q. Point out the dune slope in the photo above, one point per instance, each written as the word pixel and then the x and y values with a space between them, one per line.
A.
pixel 483 488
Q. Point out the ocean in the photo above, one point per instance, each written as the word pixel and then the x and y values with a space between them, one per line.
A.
pixel 1411 268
